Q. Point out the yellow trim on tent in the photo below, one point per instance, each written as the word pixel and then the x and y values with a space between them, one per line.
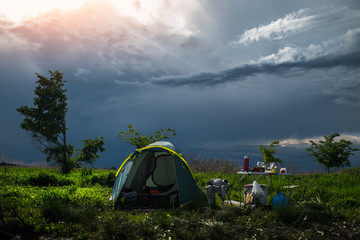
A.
pixel 172 152
pixel 118 171
pixel 154 146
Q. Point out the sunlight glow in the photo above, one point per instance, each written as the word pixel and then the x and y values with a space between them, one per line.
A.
pixel 142 10
pixel 17 10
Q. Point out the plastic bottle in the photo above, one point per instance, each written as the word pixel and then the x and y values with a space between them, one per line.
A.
pixel 246 164
pixel 279 201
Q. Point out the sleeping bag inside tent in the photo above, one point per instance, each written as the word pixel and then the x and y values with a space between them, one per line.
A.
pixel 153 171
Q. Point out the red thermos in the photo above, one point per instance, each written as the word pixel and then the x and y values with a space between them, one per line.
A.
pixel 246 164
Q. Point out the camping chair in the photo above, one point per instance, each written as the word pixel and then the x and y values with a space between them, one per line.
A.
pixel 221 187
pixel 301 189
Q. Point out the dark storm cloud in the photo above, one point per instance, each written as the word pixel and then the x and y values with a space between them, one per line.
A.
pixel 343 51
pixel 342 85
pixel 116 68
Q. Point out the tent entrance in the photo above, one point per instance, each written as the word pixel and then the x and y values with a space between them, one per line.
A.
pixel 153 175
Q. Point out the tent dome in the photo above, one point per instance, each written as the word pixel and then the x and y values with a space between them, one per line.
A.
pixel 163 144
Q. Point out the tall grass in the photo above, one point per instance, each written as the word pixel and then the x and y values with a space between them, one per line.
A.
pixel 76 206
pixel 213 165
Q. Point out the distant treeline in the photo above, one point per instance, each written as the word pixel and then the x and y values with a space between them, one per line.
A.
pixel 8 164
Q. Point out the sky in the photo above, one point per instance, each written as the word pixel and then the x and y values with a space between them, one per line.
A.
pixel 226 75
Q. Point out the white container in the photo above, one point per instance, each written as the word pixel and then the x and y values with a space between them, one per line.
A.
pixel 249 187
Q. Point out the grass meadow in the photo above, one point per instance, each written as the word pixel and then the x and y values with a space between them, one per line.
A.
pixel 40 203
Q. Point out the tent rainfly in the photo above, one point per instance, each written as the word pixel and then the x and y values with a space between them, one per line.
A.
pixel 156 170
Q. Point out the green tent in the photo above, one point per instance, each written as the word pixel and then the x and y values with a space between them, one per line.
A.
pixel 155 170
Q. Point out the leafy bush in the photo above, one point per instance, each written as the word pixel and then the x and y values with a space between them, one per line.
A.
pixel 86 171
pixel 351 171
pixel 56 210
pixel 104 179
pixel 119 227
pixel 213 165
pixel 45 179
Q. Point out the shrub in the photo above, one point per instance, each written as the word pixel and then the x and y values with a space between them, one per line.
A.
pixel 120 227
pixel 56 210
pixel 44 179
pixel 351 171
pixel 104 180
pixel 86 171
pixel 213 165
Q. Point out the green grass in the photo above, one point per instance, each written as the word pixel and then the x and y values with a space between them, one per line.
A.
pixel 42 202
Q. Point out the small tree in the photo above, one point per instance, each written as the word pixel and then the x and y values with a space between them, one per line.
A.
pixel 88 154
pixel 46 121
pixel 268 153
pixel 332 154
pixel 138 140
pixel 47 124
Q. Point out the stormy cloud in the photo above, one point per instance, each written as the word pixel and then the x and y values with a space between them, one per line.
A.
pixel 226 76
pixel 343 51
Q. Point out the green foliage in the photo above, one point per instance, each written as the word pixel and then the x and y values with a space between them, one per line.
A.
pixel 86 171
pixel 268 152
pixel 332 154
pixel 104 180
pixel 44 179
pixel 212 165
pixel 61 156
pixel 46 121
pixel 88 154
pixel 120 226
pixel 47 124
pixel 138 140
pixel 79 211
pixel 350 171
pixel 56 210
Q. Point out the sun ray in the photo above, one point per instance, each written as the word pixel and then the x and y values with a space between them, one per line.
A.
pixel 142 10
pixel 17 10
